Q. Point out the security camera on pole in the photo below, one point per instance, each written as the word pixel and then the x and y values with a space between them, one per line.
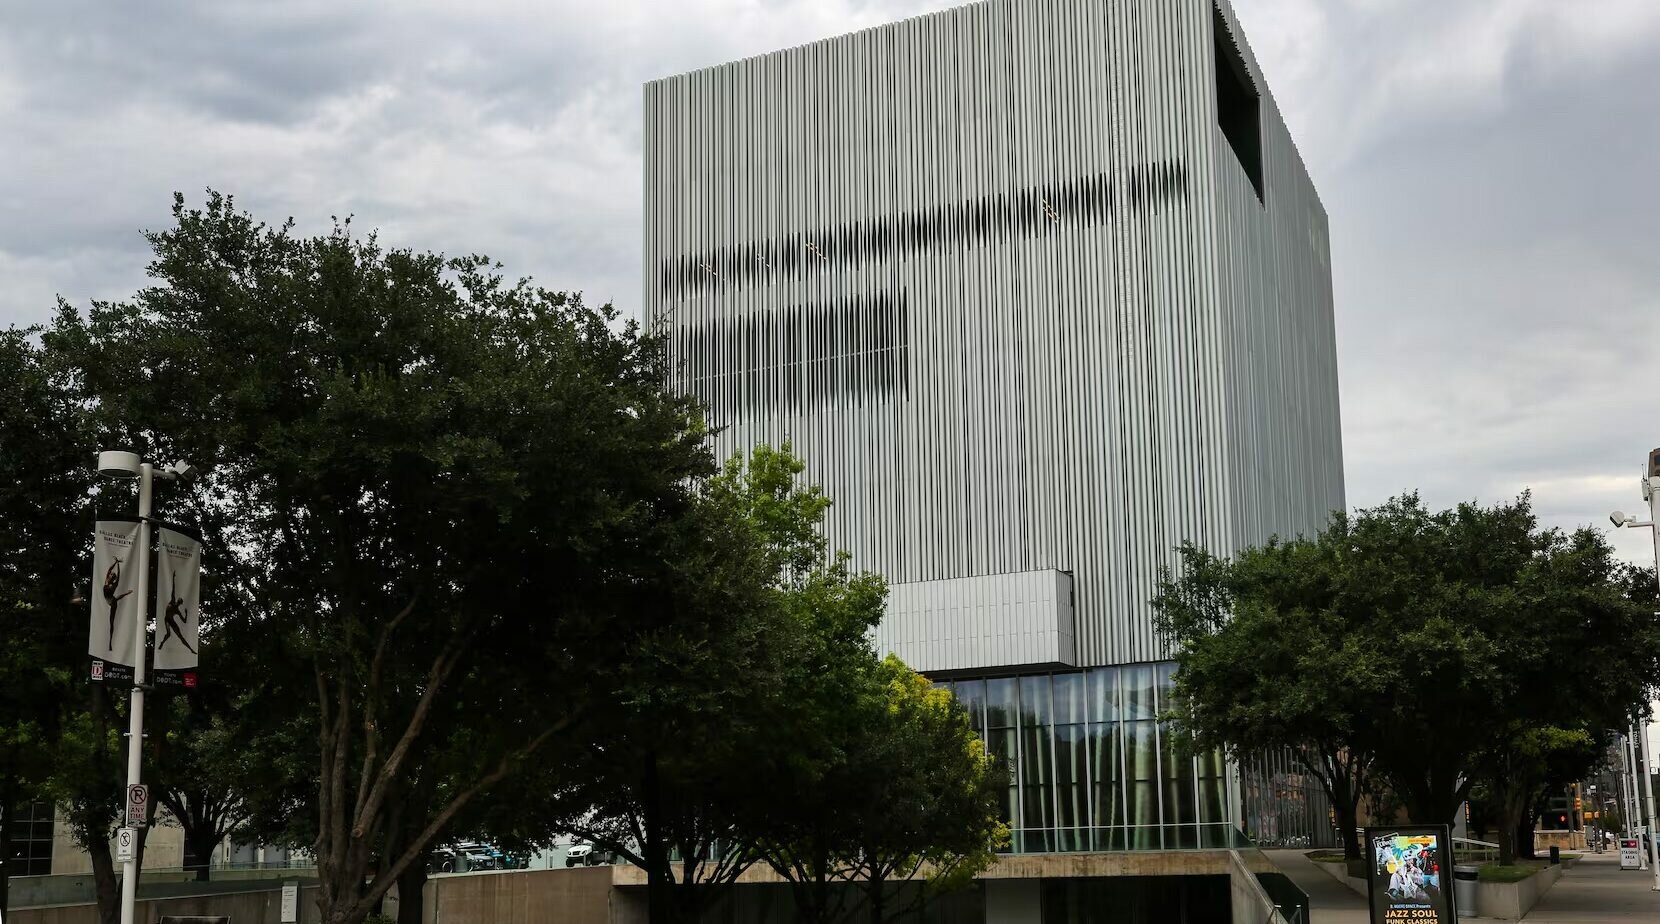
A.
pixel 1651 493
pixel 118 642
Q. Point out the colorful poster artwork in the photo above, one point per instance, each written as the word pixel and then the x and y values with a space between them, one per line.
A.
pixel 1411 875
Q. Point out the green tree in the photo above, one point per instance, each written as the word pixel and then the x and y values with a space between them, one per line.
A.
pixel 445 484
pixel 1267 662
pixel 1425 641
pixel 715 706
pixel 929 802
pixel 45 476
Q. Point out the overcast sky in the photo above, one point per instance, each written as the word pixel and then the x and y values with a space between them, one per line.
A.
pixel 1489 169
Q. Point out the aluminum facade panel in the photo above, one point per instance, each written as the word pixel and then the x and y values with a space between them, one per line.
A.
pixel 983 622
pixel 999 278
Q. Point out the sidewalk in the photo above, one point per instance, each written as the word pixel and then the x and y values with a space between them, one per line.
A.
pixel 1329 901
pixel 1597 891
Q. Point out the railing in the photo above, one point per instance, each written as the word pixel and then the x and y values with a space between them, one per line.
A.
pixel 1206 836
pixel 1469 850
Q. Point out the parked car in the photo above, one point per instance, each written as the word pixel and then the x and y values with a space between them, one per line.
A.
pixel 587 855
pixel 478 856
pixel 443 860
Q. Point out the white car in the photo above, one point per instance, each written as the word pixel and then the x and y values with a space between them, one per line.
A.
pixel 586 855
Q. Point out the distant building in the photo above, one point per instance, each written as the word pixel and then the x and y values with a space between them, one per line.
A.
pixel 1039 290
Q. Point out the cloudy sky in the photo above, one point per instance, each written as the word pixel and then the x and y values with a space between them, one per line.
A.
pixel 1489 169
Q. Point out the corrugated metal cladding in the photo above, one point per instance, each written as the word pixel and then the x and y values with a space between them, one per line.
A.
pixel 988 621
pixel 1001 279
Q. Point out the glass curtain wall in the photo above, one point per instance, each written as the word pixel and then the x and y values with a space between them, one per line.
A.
pixel 1091 767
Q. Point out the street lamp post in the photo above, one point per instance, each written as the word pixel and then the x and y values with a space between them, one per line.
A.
pixel 121 464
pixel 1651 493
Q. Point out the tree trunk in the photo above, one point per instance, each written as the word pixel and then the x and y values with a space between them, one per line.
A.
pixel 659 881
pixel 105 885
pixel 1345 804
pixel 6 811
pixel 411 901
pixel 877 889
pixel 1523 833
pixel 201 845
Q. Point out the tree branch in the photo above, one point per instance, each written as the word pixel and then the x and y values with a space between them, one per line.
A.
pixel 418 844
pixel 442 667
pixel 371 734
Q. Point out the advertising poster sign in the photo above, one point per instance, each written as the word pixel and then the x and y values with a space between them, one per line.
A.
pixel 1631 853
pixel 117 612
pixel 1411 874
pixel 178 606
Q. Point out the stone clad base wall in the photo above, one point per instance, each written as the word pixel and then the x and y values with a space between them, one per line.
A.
pixel 257 907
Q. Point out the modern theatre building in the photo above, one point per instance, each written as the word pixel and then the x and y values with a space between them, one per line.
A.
pixel 1039 289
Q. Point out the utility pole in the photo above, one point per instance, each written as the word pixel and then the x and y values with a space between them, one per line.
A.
pixel 122 464
pixel 1651 493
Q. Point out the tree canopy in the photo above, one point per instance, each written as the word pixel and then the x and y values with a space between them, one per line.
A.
pixel 1422 648
pixel 457 525
pixel 445 487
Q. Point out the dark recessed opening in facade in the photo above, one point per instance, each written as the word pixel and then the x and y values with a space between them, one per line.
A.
pixel 1238 106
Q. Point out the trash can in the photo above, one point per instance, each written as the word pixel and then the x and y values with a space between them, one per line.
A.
pixel 1464 889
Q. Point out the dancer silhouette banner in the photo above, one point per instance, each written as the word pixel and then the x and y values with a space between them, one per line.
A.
pixel 178 606
pixel 116 610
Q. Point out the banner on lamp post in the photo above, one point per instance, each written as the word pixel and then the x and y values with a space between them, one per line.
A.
pixel 117 612
pixel 178 606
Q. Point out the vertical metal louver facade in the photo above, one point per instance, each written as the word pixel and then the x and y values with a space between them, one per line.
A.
pixel 1032 285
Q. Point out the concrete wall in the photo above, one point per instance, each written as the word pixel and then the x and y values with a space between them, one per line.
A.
pixel 258 907
pixel 163 848
pixel 568 896
pixel 1251 905
pixel 1509 901
pixel 1014 901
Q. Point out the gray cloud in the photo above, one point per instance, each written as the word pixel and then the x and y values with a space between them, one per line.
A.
pixel 1487 169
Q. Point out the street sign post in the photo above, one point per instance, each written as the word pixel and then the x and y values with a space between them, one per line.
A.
pixel 290 903
pixel 138 801
pixel 126 845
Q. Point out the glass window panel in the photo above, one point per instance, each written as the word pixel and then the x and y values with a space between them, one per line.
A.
pixel 1210 764
pixel 1103 694
pixel 1144 815
pixel 1138 701
pixel 1002 702
pixel 1179 805
pixel 1034 701
pixel 972 694
pixel 1072 786
pixel 1141 751
pixel 1165 672
pixel 1107 800
pixel 1001 743
pixel 1070 699
pixel 1036 763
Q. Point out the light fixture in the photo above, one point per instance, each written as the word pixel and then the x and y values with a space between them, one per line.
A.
pixel 118 463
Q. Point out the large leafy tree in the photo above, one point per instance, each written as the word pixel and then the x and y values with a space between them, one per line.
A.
pixel 1424 642
pixel 45 476
pixel 1268 664
pixel 444 483
pixel 717 706
pixel 902 789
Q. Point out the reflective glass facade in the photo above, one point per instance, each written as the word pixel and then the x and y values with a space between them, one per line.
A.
pixel 1091 767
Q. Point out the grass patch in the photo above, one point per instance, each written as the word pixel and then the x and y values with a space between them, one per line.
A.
pixel 1325 856
pixel 1493 872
